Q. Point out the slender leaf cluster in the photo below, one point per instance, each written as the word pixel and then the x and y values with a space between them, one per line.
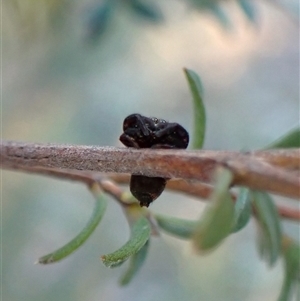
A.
pixel 226 214
pixel 102 14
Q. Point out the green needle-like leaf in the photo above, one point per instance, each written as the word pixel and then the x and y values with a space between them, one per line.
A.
pixel 270 229
pixel 292 272
pixel 217 220
pixel 75 243
pixel 220 14
pixel 199 109
pixel 146 10
pixel 289 140
pixel 140 233
pixel 135 263
pixel 242 209
pixel 248 9
pixel 176 226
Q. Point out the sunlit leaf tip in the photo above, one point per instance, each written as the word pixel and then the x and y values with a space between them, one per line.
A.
pixel 195 86
pixel 140 234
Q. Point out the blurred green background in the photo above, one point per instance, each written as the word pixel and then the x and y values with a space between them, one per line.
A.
pixel 73 70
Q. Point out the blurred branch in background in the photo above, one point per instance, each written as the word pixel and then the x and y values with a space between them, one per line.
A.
pixel 34 18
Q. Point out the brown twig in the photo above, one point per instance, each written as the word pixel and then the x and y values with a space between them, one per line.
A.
pixel 271 170
pixel 109 184
pixel 288 213
pixel 88 178
pixel 192 188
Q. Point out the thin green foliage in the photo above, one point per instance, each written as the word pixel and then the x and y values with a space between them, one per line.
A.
pixel 292 272
pixel 217 220
pixel 242 209
pixel 140 233
pixel 135 263
pixel 270 228
pixel 76 242
pixel 181 228
pixel 248 7
pixel 199 109
pixel 216 8
pixel 289 140
pixel 147 10
pixel 217 11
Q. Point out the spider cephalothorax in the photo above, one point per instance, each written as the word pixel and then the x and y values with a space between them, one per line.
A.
pixel 144 132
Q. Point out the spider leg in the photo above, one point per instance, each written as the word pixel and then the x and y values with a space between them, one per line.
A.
pixel 173 134
pixel 171 127
pixel 128 141
pixel 136 122
pixel 163 146
pixel 142 125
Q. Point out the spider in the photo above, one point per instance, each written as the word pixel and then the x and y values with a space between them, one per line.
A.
pixel 144 132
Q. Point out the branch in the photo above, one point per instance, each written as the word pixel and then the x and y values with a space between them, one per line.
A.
pixel 276 171
pixel 109 185
pixel 203 191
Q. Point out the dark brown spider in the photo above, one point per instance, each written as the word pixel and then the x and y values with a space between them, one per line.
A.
pixel 144 132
